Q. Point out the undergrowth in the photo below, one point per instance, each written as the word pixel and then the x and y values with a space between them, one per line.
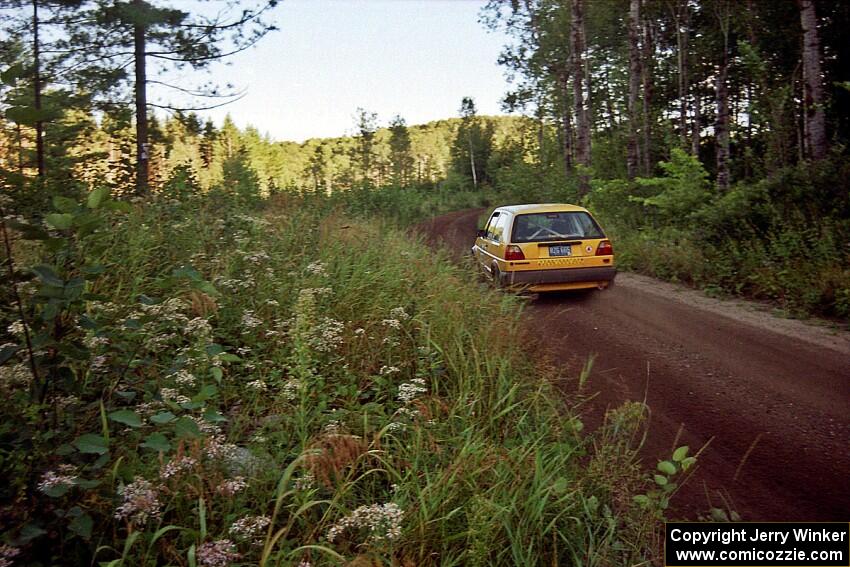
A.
pixel 193 384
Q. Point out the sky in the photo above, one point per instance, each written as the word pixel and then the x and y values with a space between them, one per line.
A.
pixel 415 58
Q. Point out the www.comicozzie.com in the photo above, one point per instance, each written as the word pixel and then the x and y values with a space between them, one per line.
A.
pixel 757 544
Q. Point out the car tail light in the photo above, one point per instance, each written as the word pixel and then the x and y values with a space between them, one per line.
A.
pixel 514 253
pixel 604 248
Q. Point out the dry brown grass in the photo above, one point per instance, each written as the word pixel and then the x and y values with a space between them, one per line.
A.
pixel 331 455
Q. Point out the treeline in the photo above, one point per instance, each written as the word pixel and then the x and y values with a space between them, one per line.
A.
pixel 748 87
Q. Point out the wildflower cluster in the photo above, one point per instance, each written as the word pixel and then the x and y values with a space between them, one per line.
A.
pixel 382 520
pixel 317 269
pixel 409 391
pixel 7 555
pixel 249 528
pixel 219 553
pixel 140 502
pixel 64 476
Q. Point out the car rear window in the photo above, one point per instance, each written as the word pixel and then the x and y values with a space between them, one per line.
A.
pixel 540 227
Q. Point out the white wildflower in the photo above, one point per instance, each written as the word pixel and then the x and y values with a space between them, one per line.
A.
pixel 233 486
pixel 198 327
pixel 305 482
pixel 141 502
pixel 16 328
pixel 392 323
pixel 185 378
pixel 399 313
pixel 317 269
pixel 409 391
pixel 249 527
pixel 382 520
pixel 219 553
pixel 62 477
pixel 172 395
pixel 250 321
pixel 258 385
pixel 93 341
pixel 177 466
pixel 290 389
pixel 385 370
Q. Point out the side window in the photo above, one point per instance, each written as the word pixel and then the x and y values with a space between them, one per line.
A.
pixel 499 229
pixel 491 225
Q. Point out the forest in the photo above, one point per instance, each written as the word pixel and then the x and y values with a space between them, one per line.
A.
pixel 197 369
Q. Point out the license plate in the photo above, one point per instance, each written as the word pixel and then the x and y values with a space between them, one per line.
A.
pixel 560 250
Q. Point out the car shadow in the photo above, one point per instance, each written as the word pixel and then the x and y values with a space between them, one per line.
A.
pixel 576 296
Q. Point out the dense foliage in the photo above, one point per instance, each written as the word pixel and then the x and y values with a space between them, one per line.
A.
pixel 197 384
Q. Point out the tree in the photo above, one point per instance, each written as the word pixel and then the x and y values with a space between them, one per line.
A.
pixel 632 157
pixel 581 102
pixel 363 153
pixel 473 144
pixel 721 124
pixel 136 31
pixel 401 157
pixel 814 118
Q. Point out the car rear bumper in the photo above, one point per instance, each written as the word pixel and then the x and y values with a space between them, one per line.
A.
pixel 567 275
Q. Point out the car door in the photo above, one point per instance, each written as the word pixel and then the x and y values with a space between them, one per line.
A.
pixel 494 243
pixel 483 242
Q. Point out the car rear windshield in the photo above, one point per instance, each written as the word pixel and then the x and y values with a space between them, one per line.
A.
pixel 540 227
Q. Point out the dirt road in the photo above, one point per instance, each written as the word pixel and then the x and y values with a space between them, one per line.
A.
pixel 726 372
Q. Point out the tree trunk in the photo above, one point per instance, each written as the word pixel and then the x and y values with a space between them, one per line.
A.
pixel 39 125
pixel 683 32
pixel 632 149
pixel 697 124
pixel 648 49
pixel 816 143
pixel 580 100
pixel 142 146
pixel 566 124
pixel 472 161
pixel 721 127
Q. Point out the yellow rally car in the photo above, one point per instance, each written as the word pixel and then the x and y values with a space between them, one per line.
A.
pixel 547 247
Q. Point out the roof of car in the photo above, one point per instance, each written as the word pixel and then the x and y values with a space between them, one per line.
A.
pixel 541 208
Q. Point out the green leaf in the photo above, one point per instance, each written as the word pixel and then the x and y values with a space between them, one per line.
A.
pixel 207 392
pixel 227 357
pixel 82 526
pixel 186 427
pixel 158 442
pixel 660 480
pixel 688 463
pixel 28 533
pixel 163 418
pixel 48 276
pixel 60 221
pixel 7 352
pixel 667 467
pixel 64 204
pixel 214 349
pixel 680 453
pixel 187 272
pixel 126 417
pixel 641 499
pixel 216 372
pixel 86 483
pixel 97 197
pixel 74 288
pixel 213 416
pixel 58 490
pixel 93 270
pixel 91 443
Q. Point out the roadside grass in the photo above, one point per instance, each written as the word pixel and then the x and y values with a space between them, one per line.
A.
pixel 294 386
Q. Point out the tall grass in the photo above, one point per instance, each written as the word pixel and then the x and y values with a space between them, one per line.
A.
pixel 356 399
